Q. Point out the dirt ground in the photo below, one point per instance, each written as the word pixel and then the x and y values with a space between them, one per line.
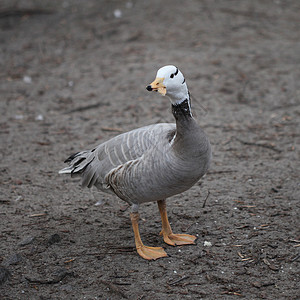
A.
pixel 73 74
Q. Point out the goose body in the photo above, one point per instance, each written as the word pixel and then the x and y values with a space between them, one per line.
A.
pixel 150 163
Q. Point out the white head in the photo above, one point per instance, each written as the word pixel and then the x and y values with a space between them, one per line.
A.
pixel 170 81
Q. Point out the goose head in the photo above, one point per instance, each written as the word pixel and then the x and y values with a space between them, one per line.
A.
pixel 170 82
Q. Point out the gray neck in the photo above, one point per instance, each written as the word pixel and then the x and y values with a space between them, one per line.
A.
pixel 184 119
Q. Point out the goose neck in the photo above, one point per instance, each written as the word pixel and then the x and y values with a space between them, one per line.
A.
pixel 182 110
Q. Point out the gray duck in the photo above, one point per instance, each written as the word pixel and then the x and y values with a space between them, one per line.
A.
pixel 151 163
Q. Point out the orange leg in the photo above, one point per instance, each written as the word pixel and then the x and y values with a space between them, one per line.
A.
pixel 169 237
pixel 144 251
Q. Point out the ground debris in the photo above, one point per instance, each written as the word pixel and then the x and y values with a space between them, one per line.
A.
pixel 112 129
pixel 4 201
pixel 12 259
pixel 230 292
pixel 204 203
pixel 24 12
pixel 264 145
pixel 270 265
pixel 178 280
pixel 56 277
pixel 28 240
pixel 258 284
pixel 38 215
pixel 86 107
pixel 295 257
pixel 4 274
pixel 113 288
pixel 69 260
pixel 54 238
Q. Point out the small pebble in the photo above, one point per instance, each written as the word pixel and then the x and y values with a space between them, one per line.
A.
pixel 19 198
pixel 27 79
pixel 54 238
pixel 19 117
pixel 27 241
pixel 207 244
pixel 98 203
pixel 39 118
pixel 117 13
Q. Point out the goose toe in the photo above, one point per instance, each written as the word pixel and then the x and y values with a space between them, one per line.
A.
pixel 151 253
pixel 179 239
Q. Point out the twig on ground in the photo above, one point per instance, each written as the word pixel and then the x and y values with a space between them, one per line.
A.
pixel 87 107
pixel 112 129
pixel 268 146
pixel 23 12
pixel 221 172
pixel 37 215
pixel 178 280
pixel 204 203
pixel 69 260
pixel 231 293
pixel 295 258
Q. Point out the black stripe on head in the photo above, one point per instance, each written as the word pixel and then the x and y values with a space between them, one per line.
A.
pixel 183 81
pixel 174 74
pixel 176 71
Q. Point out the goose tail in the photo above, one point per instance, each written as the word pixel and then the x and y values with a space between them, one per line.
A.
pixel 80 165
pixel 67 170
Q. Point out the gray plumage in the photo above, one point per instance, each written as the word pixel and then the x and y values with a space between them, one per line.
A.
pixel 146 164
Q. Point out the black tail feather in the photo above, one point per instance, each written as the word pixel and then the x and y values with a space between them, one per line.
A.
pixel 69 159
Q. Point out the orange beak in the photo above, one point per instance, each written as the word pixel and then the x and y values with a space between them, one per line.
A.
pixel 157 86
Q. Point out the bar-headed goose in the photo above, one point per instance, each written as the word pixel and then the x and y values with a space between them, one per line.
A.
pixel 150 163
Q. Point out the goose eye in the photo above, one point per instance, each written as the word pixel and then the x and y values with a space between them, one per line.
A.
pixel 172 75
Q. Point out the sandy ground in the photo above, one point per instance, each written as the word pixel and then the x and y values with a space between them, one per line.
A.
pixel 73 74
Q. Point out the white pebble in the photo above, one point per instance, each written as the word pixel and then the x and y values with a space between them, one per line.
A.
pixel 19 198
pixel 98 203
pixel 117 13
pixel 19 117
pixel 207 244
pixel 39 118
pixel 27 79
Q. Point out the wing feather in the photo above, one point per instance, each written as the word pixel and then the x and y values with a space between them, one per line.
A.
pixel 109 157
